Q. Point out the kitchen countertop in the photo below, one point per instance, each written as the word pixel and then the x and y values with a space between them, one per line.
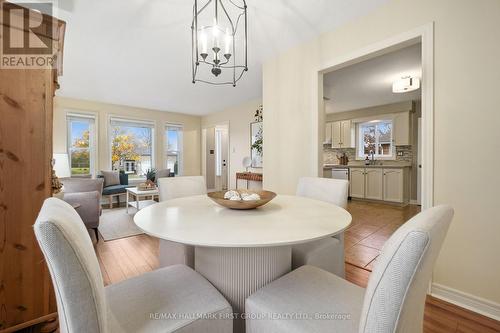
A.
pixel 380 164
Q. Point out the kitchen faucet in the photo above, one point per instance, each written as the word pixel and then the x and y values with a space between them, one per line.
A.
pixel 372 157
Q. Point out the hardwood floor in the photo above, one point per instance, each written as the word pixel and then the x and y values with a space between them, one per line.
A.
pixel 440 316
pixel 372 225
pixel 127 257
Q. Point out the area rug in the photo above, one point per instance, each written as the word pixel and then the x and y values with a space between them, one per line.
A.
pixel 116 223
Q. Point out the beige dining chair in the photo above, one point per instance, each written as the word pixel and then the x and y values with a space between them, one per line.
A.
pixel 172 253
pixel 393 301
pixel 172 299
pixel 326 253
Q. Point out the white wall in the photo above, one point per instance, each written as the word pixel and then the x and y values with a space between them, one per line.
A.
pixel 191 135
pixel 239 118
pixel 467 140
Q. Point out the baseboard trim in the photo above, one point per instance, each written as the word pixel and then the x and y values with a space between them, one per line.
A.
pixel 474 303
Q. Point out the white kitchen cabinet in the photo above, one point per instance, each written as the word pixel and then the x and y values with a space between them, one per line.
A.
pixel 342 134
pixel 328 134
pixel 357 182
pixel 377 183
pixel 337 134
pixel 374 183
pixel 394 187
pixel 347 134
pixel 401 135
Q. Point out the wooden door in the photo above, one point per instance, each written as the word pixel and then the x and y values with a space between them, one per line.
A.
pixel 25 176
pixel 373 183
pixel 393 185
pixel 337 134
pixel 357 182
pixel 26 97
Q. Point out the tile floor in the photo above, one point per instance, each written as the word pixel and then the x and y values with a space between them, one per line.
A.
pixel 372 224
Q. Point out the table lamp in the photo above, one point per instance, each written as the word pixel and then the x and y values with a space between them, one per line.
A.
pixel 60 164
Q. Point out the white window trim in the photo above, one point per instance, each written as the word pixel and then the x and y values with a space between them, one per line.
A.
pixel 180 145
pixel 152 123
pixel 94 140
pixel 360 143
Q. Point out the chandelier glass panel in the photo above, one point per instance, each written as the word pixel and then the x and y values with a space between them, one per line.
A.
pixel 219 41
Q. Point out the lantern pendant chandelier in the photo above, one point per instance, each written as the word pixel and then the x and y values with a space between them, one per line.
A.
pixel 217 26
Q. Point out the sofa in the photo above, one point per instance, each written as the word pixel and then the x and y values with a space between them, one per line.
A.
pixel 85 197
pixel 111 191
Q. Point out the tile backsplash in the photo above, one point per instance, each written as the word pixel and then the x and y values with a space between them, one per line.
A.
pixel 330 154
pixel 407 153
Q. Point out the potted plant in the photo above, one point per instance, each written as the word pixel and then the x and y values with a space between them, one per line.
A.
pixel 151 174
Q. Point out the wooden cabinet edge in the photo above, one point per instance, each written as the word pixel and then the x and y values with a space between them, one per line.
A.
pixel 42 305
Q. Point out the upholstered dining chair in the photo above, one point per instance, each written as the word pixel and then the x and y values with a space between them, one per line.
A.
pixel 326 253
pixel 172 253
pixel 173 299
pixel 393 301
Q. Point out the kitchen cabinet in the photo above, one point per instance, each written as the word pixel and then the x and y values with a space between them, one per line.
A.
pixel 346 132
pixel 357 182
pixel 394 185
pixel 401 135
pixel 378 183
pixel 373 184
pixel 342 134
pixel 337 134
pixel 328 134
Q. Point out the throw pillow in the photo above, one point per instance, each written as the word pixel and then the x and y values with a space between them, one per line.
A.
pixel 162 173
pixel 111 178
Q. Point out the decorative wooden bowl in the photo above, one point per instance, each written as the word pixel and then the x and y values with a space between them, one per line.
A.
pixel 265 197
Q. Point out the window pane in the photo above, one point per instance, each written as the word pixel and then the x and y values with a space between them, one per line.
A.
pixel 172 139
pixel 173 147
pixel 385 149
pixel 376 137
pixel 79 136
pixel 384 130
pixel 173 163
pixel 132 148
pixel 80 162
pixel 368 132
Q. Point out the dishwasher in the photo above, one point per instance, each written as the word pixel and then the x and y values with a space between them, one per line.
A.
pixel 338 173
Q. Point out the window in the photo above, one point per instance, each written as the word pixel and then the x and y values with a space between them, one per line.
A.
pixel 132 146
pixel 81 144
pixel 376 137
pixel 173 144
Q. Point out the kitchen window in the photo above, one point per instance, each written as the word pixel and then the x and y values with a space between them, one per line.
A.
pixel 81 144
pixel 375 136
pixel 132 146
pixel 173 144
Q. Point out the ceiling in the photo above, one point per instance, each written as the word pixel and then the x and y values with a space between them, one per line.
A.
pixel 369 83
pixel 138 52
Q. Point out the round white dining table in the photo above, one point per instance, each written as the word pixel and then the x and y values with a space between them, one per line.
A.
pixel 239 251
